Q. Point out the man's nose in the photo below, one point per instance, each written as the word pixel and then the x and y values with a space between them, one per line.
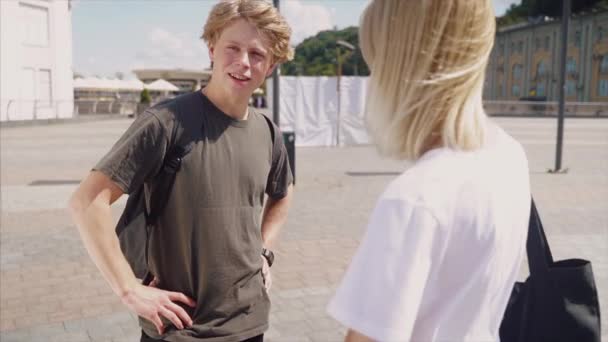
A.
pixel 244 60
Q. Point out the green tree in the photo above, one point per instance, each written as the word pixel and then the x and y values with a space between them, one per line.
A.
pixel 515 14
pixel 547 8
pixel 316 56
pixel 553 8
pixel 144 97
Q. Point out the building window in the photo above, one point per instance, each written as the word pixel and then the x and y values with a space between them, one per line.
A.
pixel 536 44
pixel 28 84
pixel 577 39
pixel 515 90
pixel 603 88
pixel 604 64
pixel 571 66
pixel 520 47
pixel 35 29
pixel 45 88
pixel 541 70
pixel 600 33
pixel 512 47
pixel 27 91
pixel 517 71
pixel 540 89
pixel 547 43
pixel 570 88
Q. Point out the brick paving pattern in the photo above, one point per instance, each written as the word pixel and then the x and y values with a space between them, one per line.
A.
pixel 51 291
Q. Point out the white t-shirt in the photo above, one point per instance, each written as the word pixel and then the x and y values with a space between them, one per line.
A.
pixel 443 248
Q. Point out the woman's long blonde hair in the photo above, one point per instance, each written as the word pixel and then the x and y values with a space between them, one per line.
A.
pixel 427 60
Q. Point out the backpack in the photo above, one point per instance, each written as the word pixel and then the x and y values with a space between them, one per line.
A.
pixel 136 220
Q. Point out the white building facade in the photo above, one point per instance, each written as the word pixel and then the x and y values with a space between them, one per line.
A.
pixel 36 60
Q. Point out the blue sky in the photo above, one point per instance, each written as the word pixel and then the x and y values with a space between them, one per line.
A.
pixel 112 36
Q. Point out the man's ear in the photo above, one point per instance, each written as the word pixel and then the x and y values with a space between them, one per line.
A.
pixel 271 69
pixel 211 53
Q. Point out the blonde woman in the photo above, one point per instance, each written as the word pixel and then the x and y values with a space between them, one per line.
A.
pixel 446 239
pixel 209 250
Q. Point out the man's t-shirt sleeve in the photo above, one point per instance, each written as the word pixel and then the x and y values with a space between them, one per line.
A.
pixel 380 295
pixel 137 155
pixel 280 176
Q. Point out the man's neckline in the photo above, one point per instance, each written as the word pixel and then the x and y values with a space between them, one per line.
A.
pixel 219 113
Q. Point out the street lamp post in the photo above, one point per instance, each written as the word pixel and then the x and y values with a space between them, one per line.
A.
pixel 288 137
pixel 275 87
pixel 351 48
pixel 566 9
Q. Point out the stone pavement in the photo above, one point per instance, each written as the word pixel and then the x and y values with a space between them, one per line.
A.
pixel 50 290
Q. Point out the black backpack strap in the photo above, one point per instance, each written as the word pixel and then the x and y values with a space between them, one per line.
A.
pixel 180 144
pixel 147 202
pixel 274 134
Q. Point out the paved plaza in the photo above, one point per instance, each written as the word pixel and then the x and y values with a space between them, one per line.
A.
pixel 51 291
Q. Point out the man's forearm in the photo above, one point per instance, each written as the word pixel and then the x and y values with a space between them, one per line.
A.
pixel 97 232
pixel 275 215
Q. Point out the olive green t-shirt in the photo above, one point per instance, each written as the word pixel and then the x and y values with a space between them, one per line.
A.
pixel 207 243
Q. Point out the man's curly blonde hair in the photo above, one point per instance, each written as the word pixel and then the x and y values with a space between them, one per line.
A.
pixel 262 14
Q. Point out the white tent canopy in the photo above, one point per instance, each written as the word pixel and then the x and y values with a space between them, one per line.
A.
pixel 134 84
pixel 311 107
pixel 96 83
pixel 161 85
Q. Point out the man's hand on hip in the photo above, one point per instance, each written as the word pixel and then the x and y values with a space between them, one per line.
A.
pixel 151 303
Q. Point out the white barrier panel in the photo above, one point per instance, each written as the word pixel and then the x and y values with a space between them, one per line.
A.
pixel 309 107
pixel 352 104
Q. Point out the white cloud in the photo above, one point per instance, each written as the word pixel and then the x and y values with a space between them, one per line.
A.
pixel 306 19
pixel 170 44
pixel 501 6
pixel 166 49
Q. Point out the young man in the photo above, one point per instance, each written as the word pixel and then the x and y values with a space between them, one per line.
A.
pixel 209 251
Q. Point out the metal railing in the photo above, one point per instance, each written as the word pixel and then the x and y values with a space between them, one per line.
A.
pixel 548 109
pixel 83 107
pixel 20 110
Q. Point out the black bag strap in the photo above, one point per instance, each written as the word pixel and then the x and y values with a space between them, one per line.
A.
pixel 180 144
pixel 274 135
pixel 165 180
pixel 537 246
